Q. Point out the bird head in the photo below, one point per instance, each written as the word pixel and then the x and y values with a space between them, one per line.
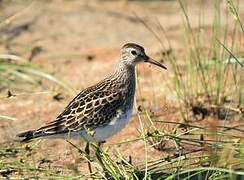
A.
pixel 133 54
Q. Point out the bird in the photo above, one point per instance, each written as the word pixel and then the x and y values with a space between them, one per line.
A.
pixel 102 110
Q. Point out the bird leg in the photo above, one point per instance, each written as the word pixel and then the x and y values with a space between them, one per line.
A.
pixel 87 151
pixel 98 155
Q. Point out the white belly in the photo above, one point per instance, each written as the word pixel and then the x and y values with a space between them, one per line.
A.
pixel 104 132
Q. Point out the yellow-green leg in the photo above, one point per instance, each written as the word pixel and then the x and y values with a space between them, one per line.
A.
pixel 87 151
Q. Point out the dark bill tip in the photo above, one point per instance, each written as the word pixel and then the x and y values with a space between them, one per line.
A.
pixel 151 61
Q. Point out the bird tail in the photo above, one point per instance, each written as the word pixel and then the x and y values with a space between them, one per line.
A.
pixel 51 129
pixel 27 135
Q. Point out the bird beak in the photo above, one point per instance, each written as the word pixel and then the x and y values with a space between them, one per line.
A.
pixel 152 61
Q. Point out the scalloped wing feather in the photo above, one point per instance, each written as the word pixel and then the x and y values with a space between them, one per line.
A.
pixel 89 109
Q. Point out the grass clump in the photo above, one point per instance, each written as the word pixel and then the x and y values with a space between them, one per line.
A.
pixel 212 75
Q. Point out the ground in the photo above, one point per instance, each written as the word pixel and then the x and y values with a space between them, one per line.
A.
pixel 79 42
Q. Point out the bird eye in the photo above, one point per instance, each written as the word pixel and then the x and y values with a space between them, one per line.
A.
pixel 133 52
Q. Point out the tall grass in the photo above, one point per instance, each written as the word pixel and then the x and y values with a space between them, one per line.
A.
pixel 212 74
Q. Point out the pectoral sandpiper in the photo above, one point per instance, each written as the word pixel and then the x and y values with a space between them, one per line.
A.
pixel 104 108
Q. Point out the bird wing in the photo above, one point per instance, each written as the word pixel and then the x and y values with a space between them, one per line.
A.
pixel 89 109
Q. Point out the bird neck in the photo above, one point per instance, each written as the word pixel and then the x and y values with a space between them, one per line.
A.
pixel 124 76
pixel 124 72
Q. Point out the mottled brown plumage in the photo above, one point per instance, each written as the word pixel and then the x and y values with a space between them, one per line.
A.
pixel 104 107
